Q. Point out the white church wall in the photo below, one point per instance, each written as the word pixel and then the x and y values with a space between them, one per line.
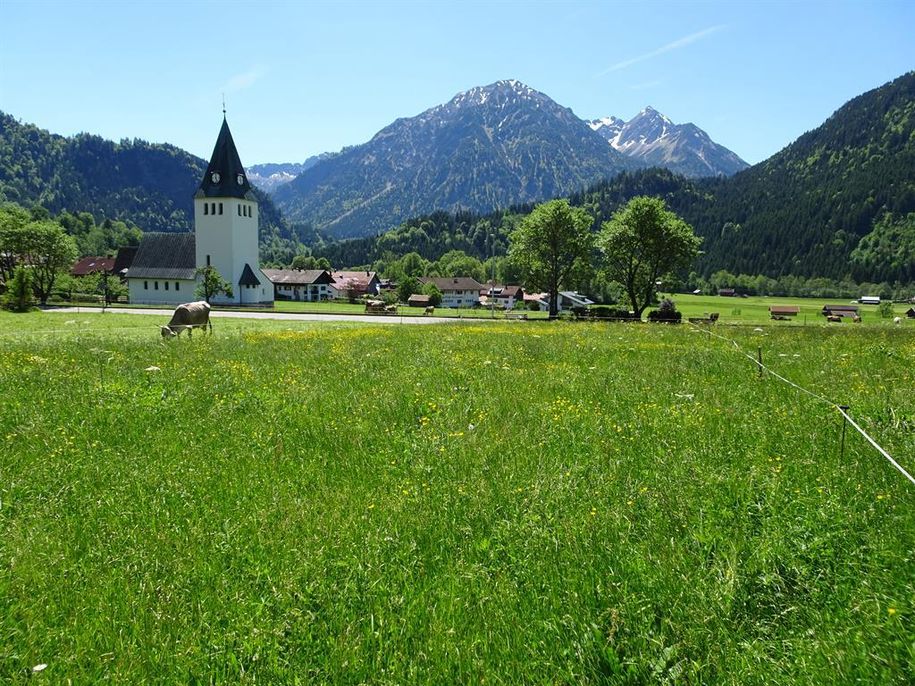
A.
pixel 161 291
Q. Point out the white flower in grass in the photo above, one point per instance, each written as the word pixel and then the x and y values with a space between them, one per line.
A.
pixel 152 369
pixel 39 668
pixel 471 427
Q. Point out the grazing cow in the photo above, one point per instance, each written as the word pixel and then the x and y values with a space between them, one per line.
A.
pixel 188 316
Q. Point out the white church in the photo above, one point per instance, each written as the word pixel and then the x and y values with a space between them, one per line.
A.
pixel 225 237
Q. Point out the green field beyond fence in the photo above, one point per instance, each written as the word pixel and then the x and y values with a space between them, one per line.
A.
pixel 753 310
pixel 541 503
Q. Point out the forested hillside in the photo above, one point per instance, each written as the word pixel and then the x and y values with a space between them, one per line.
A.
pixel 805 209
pixel 150 186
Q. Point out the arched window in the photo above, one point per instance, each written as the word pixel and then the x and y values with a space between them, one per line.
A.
pixel 239 209
pixel 206 208
pixel 212 208
pixel 220 208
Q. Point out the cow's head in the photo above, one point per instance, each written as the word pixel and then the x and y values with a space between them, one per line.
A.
pixel 167 332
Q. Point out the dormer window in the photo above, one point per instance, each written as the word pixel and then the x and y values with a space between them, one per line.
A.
pixel 241 179
pixel 215 177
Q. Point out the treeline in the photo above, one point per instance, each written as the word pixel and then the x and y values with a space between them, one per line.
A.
pixel 792 286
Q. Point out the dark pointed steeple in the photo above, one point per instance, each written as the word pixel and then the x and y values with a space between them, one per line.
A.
pixel 225 176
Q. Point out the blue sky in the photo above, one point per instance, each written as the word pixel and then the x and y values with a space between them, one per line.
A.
pixel 303 78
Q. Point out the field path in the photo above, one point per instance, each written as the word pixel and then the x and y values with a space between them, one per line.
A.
pixel 292 316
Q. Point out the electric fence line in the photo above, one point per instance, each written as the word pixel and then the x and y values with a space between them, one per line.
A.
pixel 842 410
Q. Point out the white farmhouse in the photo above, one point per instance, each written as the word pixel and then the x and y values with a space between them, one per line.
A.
pixel 225 237
pixel 457 291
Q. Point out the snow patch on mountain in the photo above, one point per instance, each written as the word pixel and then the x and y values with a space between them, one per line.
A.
pixel 654 139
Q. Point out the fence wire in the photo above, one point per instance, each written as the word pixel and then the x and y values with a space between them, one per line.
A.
pixel 817 396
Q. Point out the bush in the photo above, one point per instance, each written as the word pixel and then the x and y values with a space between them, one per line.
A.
pixel 18 296
pixel 885 309
pixel 666 313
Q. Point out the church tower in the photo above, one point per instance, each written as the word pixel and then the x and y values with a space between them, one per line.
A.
pixel 225 225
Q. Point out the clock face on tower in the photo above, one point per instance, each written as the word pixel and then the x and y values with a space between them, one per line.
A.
pixel 215 177
pixel 241 179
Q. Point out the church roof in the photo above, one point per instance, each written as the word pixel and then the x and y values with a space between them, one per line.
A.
pixel 222 176
pixel 247 277
pixel 164 256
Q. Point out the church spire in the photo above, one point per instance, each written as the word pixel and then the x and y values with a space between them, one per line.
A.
pixel 225 176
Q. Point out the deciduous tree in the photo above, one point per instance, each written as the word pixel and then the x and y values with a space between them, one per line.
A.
pixel 552 246
pixel 44 248
pixel 211 283
pixel 642 242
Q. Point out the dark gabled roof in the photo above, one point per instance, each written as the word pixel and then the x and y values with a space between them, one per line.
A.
pixel 785 309
pixel 164 256
pixel 225 169
pixel 418 300
pixel 247 277
pixel 454 283
pixel 297 277
pixel 124 258
pixel 90 265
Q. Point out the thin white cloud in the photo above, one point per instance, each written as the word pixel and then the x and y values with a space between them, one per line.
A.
pixel 675 45
pixel 244 80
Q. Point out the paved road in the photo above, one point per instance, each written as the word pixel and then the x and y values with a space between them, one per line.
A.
pixel 291 316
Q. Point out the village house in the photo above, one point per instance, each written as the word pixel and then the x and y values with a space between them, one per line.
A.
pixel 92 265
pixel 505 297
pixel 457 291
pixel 308 285
pixel 567 300
pixel 351 285
pixel 164 269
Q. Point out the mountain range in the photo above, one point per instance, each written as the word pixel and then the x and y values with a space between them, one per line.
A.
pixel 656 141
pixel 488 147
pixel 838 201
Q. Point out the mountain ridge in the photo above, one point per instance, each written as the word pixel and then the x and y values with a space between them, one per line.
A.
pixel 487 147
pixel 655 140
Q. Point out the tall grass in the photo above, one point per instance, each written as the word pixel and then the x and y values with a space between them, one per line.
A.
pixel 541 503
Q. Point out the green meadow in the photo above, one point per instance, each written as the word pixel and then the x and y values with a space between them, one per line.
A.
pixel 517 502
